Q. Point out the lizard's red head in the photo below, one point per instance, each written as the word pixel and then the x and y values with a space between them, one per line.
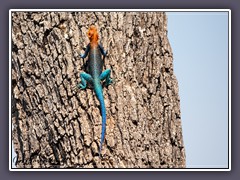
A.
pixel 93 34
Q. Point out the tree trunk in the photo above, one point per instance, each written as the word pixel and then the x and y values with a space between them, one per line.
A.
pixel 55 126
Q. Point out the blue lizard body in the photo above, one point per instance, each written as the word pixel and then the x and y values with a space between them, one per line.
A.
pixel 95 74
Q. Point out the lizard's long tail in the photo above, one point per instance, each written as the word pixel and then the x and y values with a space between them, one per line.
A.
pixel 99 93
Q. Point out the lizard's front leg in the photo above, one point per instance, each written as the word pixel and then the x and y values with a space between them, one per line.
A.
pixel 85 77
pixel 104 53
pixel 86 52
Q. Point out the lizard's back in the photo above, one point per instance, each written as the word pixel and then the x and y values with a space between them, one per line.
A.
pixel 95 62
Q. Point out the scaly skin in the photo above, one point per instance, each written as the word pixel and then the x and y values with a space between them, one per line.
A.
pixel 95 75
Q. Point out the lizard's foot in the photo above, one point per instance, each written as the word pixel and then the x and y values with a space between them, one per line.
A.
pixel 105 53
pixel 80 86
pixel 108 82
pixel 82 56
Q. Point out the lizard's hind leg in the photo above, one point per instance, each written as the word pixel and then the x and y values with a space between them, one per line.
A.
pixel 106 75
pixel 84 79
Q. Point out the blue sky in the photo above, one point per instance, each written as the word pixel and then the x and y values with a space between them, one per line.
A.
pixel 199 42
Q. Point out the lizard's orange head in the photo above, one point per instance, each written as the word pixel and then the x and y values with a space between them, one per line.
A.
pixel 93 34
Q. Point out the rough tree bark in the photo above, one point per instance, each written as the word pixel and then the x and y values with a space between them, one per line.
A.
pixel 57 127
